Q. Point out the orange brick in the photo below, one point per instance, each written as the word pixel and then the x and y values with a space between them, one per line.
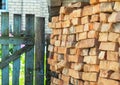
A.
pixel 71 37
pixel 85 44
pixel 76 81
pixel 91 59
pixel 89 76
pixel 56 81
pixel 67 17
pixel 95 18
pixel 77 13
pixel 96 9
pixel 63 43
pixel 66 23
pixel 78 28
pixel 58 25
pixel 90 83
pixel 108 82
pixel 104 17
pixel 106 27
pixel 70 44
pixel 91 68
pixel 65 78
pixel 93 51
pixel 116 27
pixel 114 17
pixel 51 48
pixel 72 51
pixel 94 1
pixel 52 62
pixel 113 37
pixel 87 10
pixel 96 26
pixel 75 74
pixel 55 19
pixel 108 74
pixel 113 56
pixel 75 58
pixel 57 31
pixel 62 50
pixel 57 43
pixel 103 36
pixel 66 31
pixel 117 6
pixel 59 66
pixel 77 66
pixel 64 37
pixel 55 49
pixel 87 27
pixel 75 21
pixel 82 36
pixel 61 17
pixel 106 7
pixel 51 25
pixel 85 20
pixel 102 55
pixel 92 34
pixel 66 10
pixel 65 71
pixel 84 52
pixel 110 65
pixel 110 46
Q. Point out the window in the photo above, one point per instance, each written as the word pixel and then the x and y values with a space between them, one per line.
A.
pixel 3 4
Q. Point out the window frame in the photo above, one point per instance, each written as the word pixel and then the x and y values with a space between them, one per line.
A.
pixel 5 10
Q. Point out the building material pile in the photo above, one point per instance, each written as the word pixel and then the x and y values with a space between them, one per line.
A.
pixel 85 44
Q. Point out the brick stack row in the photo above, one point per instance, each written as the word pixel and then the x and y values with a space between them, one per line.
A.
pixel 84 45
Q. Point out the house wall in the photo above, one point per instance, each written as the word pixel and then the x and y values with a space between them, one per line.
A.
pixel 37 7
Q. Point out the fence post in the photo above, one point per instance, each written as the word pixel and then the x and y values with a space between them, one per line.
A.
pixel 39 50
pixel 5 48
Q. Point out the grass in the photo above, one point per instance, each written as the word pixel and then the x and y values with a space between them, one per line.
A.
pixel 22 68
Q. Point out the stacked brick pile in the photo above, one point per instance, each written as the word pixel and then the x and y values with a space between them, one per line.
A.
pixel 85 43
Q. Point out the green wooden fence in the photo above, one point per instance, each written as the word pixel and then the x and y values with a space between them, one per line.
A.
pixel 19 38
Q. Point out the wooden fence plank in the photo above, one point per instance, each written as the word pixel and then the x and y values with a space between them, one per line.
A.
pixel 16 63
pixel 39 50
pixel 5 48
pixel 29 57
